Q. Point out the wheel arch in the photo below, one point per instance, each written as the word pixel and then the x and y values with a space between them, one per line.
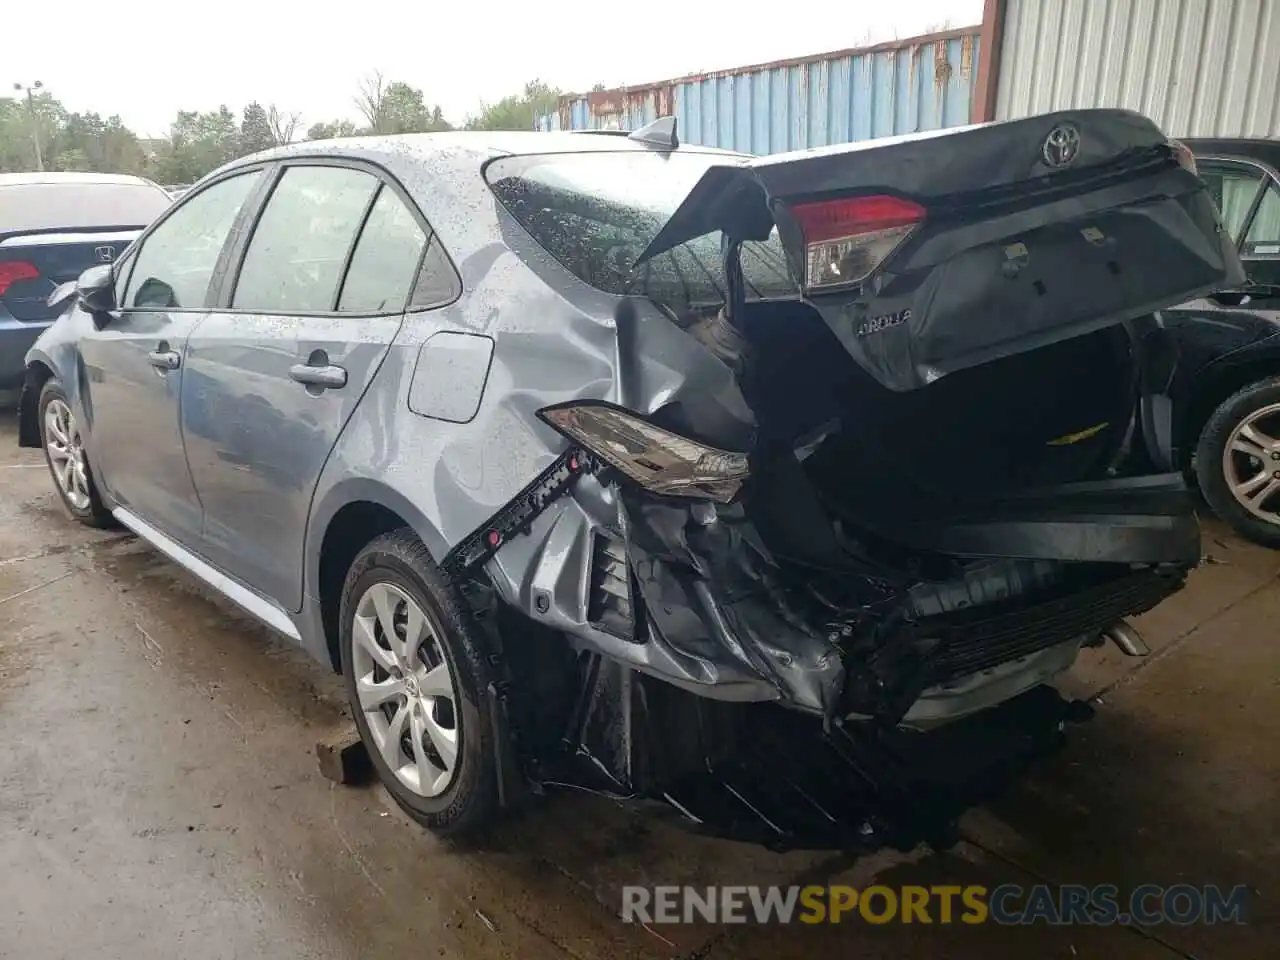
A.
pixel 352 514
pixel 1212 388
pixel 39 371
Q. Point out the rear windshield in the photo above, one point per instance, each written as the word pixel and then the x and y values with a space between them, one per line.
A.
pixel 596 212
pixel 57 206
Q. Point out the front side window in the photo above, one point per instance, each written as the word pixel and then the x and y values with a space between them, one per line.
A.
pixel 596 212
pixel 385 259
pixel 299 247
pixel 173 266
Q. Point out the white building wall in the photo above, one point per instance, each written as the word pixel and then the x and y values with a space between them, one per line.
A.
pixel 1197 67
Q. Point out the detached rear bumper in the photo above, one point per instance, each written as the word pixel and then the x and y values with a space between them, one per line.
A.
pixel 713 588
pixel 692 596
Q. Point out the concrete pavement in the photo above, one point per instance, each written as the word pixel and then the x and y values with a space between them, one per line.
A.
pixel 159 796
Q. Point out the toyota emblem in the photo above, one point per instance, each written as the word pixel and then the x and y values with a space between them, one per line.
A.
pixel 1061 146
pixel 104 254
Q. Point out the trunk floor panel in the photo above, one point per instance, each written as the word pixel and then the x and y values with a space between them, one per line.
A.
pixel 1117 522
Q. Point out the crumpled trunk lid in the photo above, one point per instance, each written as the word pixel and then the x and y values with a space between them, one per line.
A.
pixel 1034 231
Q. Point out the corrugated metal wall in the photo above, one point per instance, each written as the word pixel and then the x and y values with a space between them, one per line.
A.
pixel 1197 67
pixel 919 84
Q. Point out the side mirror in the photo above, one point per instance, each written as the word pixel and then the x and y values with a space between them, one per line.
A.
pixel 96 289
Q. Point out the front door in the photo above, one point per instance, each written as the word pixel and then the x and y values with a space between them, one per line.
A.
pixel 134 366
pixel 274 376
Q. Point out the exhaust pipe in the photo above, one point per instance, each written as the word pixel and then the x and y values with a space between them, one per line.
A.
pixel 1127 638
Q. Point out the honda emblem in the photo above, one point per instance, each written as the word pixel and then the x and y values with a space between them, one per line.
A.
pixel 104 254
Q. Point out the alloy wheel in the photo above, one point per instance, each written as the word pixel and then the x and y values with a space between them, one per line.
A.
pixel 66 453
pixel 405 689
pixel 1251 463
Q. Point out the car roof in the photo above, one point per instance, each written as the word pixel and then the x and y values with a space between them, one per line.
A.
pixel 467 146
pixel 53 176
pixel 1263 149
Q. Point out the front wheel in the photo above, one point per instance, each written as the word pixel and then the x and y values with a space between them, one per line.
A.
pixel 68 462
pixel 1238 461
pixel 418 680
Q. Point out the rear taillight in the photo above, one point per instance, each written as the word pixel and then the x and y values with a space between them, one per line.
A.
pixel 847 240
pixel 658 460
pixel 1186 159
pixel 12 271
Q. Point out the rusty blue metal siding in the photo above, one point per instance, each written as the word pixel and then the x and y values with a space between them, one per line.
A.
pixel 924 83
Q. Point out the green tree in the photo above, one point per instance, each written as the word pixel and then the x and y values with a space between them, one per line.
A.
pixel 87 142
pixel 395 107
pixel 255 129
pixel 72 159
pixel 16 151
pixel 23 124
pixel 518 111
pixel 198 142
pixel 328 131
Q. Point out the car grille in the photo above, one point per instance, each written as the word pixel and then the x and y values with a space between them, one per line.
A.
pixel 979 643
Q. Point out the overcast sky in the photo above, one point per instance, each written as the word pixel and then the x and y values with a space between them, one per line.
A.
pixel 145 59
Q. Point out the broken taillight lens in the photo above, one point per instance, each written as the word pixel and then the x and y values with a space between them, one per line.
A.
pixel 848 239
pixel 658 460
pixel 1186 159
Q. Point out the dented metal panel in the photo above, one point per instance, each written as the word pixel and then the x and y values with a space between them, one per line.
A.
pixel 923 83
pixel 1204 68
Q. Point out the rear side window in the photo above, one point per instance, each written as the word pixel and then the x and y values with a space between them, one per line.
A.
pixel 1233 187
pixel 1263 238
pixel 175 263
pixel 83 205
pixel 385 259
pixel 596 212
pixel 299 247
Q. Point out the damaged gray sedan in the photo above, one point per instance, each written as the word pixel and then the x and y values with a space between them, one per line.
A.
pixel 769 493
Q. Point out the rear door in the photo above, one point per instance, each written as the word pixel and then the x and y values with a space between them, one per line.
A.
pixel 134 365
pixel 273 376
pixel 1248 195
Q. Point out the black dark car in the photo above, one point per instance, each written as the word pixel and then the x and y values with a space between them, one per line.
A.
pixel 1225 426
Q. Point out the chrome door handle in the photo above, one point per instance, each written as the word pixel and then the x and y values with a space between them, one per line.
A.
pixel 322 376
pixel 165 359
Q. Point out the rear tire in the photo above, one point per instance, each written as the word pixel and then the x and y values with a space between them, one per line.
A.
pixel 67 459
pixel 440 681
pixel 1212 464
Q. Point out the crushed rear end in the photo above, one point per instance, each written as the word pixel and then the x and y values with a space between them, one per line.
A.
pixel 897 504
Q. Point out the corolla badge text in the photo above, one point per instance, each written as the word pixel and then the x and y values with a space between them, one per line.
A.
pixel 883 322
